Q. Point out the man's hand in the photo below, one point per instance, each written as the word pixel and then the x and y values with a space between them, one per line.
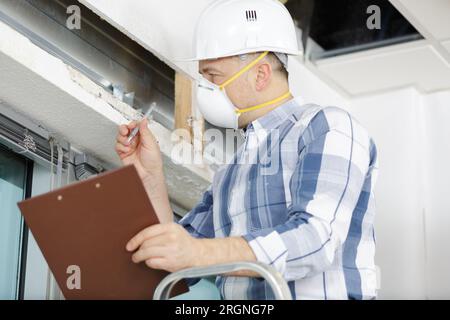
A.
pixel 143 151
pixel 170 247
pixel 165 246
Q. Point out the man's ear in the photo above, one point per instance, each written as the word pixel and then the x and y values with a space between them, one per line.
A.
pixel 263 76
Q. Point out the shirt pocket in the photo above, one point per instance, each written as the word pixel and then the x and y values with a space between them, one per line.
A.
pixel 266 200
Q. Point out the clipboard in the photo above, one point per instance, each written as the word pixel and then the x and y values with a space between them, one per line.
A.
pixel 82 230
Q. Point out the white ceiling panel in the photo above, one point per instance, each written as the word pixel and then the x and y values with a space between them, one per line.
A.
pixel 433 15
pixel 414 64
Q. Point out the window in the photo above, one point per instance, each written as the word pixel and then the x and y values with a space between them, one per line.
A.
pixel 13 186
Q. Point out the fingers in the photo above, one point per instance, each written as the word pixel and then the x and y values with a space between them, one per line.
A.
pixel 159 240
pixel 157 263
pixel 120 148
pixel 143 235
pixel 125 129
pixel 132 125
pixel 145 133
pixel 148 253
pixel 124 140
pixel 123 147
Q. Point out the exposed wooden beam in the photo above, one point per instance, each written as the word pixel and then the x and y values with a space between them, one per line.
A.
pixel 183 104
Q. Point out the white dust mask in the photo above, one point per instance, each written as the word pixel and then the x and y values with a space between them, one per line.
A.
pixel 215 105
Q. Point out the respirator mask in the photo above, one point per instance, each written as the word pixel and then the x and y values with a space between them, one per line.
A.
pixel 215 105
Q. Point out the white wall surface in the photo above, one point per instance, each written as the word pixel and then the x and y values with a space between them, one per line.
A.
pixel 392 120
pixel 437 190
pixel 304 82
pixel 412 135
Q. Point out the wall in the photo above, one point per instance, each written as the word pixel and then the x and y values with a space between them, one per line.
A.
pixel 304 82
pixel 436 151
pixel 392 120
pixel 411 133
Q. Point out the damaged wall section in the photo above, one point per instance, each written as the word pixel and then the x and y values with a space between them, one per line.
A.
pixel 71 106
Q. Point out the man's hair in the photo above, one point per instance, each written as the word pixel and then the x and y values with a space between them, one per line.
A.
pixel 275 62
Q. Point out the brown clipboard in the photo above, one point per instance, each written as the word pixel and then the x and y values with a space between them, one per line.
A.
pixel 86 225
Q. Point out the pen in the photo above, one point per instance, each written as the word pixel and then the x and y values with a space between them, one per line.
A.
pixel 135 130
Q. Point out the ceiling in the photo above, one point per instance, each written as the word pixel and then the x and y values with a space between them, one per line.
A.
pixel 423 64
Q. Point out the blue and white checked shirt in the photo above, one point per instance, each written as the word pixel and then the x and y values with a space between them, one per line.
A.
pixel 303 201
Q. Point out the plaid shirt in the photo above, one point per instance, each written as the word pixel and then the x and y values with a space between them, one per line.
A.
pixel 300 192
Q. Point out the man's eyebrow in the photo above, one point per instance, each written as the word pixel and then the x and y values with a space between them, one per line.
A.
pixel 209 69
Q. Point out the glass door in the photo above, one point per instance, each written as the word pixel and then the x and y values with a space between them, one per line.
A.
pixel 13 180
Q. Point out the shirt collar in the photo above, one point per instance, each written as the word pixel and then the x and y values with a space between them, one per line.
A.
pixel 276 116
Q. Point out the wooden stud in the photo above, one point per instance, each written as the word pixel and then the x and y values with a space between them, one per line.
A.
pixel 183 103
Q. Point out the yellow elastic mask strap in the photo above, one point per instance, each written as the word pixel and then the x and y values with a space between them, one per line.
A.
pixel 265 104
pixel 245 69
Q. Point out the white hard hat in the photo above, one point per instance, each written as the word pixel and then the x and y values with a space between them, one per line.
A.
pixel 233 27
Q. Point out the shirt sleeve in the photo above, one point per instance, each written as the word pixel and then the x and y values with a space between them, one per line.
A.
pixel 199 221
pixel 327 180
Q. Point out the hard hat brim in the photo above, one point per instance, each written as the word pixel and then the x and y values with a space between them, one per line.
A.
pixel 247 50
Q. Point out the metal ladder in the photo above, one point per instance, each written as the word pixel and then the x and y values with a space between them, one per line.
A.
pixel 269 273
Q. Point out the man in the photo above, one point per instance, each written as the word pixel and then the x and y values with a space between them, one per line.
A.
pixel 304 204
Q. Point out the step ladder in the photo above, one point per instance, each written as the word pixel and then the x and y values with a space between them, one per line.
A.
pixel 270 274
